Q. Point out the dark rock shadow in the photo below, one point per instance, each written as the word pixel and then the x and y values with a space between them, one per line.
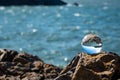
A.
pixel 31 2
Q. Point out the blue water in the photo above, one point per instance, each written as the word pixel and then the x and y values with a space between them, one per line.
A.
pixel 54 33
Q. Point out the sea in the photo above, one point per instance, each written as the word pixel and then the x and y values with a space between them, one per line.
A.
pixel 54 33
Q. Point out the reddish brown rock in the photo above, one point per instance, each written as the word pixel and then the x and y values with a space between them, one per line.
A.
pixel 32 76
pixel 25 58
pixel 23 66
pixel 102 66
pixel 50 70
pixel 37 65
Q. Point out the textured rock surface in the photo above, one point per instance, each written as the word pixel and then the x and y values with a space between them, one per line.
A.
pixel 102 66
pixel 23 66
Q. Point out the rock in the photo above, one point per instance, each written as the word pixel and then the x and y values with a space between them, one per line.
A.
pixel 50 71
pixel 31 2
pixel 23 66
pixel 102 66
pixel 25 58
pixel 32 76
pixel 12 78
pixel 37 65
pixel 53 2
pixel 7 55
pixel 76 4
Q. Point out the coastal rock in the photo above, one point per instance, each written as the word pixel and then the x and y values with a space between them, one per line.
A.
pixel 31 2
pixel 23 66
pixel 7 55
pixel 102 66
pixel 25 58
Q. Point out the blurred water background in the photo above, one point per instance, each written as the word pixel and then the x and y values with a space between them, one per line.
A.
pixel 54 33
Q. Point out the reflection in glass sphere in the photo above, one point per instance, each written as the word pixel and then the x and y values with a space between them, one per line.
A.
pixel 91 44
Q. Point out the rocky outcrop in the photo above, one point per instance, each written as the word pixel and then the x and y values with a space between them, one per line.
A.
pixel 102 66
pixel 31 2
pixel 23 66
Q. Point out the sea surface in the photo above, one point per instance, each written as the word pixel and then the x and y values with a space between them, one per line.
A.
pixel 54 33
